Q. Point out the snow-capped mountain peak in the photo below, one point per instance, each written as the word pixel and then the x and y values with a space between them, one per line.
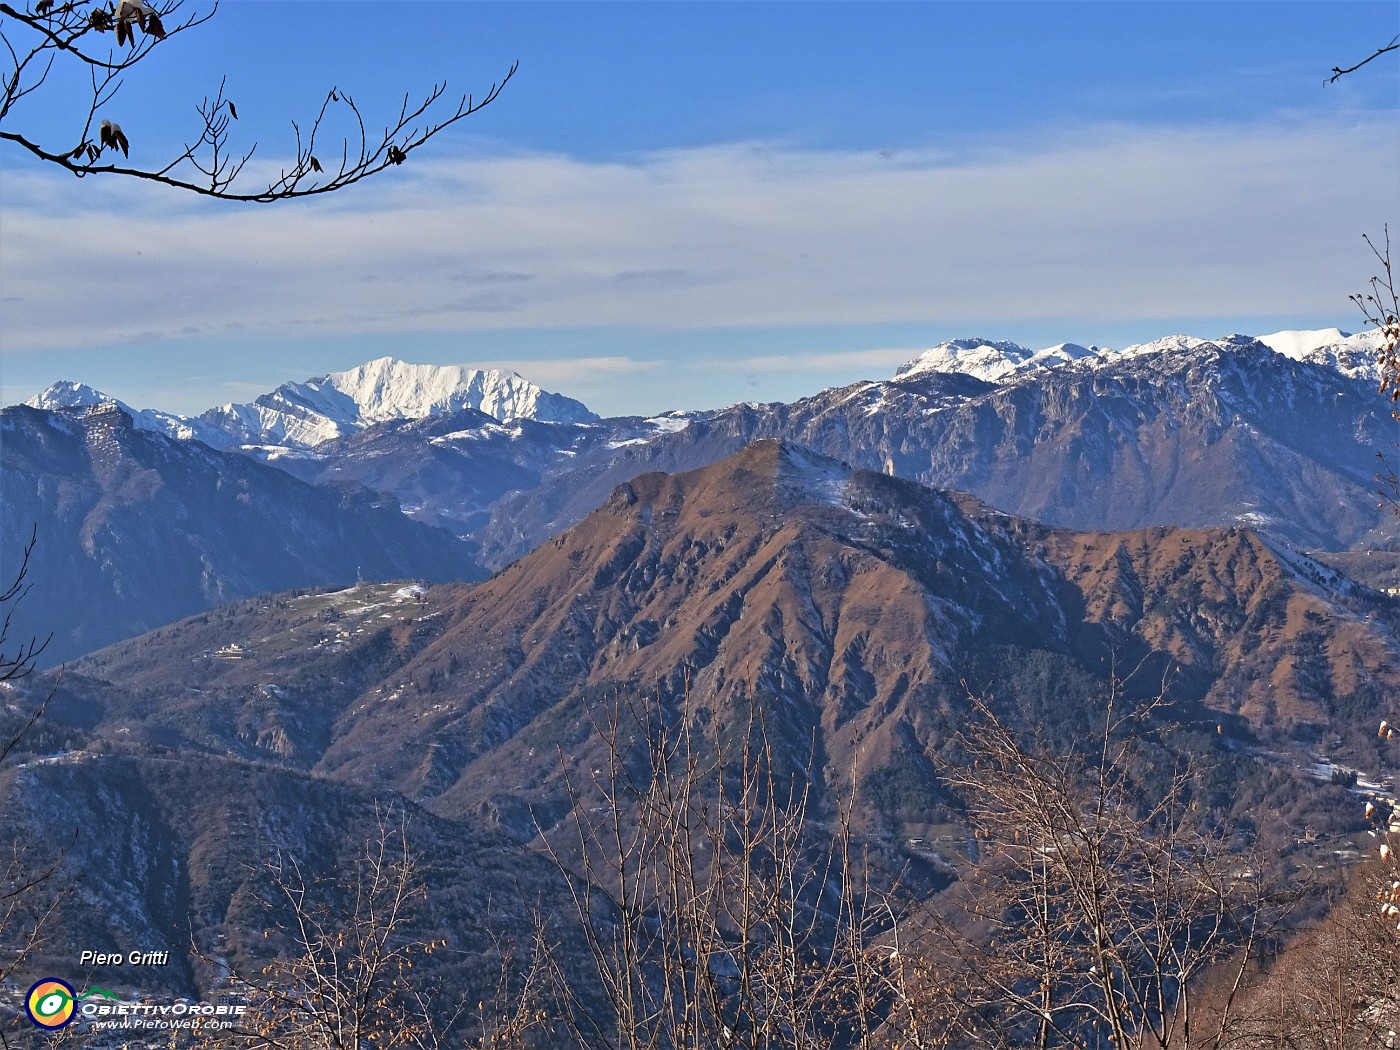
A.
pixel 1003 362
pixel 67 394
pixel 304 414
pixel 340 403
pixel 1167 344
pixel 1352 355
pixel 386 388
pixel 986 359
pixel 1299 344
pixel 995 361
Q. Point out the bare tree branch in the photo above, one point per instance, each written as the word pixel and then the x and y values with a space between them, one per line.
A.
pixel 17 663
pixel 1106 905
pixel 717 911
pixel 23 904
pixel 207 164
pixel 1338 73
pixel 350 943
pixel 1381 308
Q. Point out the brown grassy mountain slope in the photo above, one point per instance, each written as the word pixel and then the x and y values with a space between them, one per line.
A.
pixel 848 604
pixel 1266 633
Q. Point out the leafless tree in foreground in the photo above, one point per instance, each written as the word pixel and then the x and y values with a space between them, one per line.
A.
pixel 521 1013
pixel 347 982
pixel 1337 986
pixel 1100 913
pixel 18 659
pixel 718 912
pixel 101 41
pixel 1380 305
pixel 28 899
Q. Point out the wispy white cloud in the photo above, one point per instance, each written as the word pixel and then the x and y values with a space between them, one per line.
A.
pixel 1085 226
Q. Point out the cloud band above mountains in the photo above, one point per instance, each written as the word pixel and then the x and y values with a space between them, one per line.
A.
pixel 1118 223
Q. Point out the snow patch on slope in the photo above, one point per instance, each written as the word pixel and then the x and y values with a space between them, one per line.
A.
pixel 813 475
pixel 1312 574
pixel 669 423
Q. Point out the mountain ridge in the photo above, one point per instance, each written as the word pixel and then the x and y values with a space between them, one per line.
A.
pixel 137 529
pixel 851 604
pixel 1182 431
pixel 303 414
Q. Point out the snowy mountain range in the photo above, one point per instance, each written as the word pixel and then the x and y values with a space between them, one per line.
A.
pixel 1006 362
pixel 1179 431
pixel 1278 432
pixel 301 415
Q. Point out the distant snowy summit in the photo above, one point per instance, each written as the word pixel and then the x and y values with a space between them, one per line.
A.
pixel 991 361
pixel 299 416
pixel 305 414
pixel 69 395
pixel 1005 362
pixel 1352 355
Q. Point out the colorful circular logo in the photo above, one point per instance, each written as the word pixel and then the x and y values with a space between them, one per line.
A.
pixel 50 1003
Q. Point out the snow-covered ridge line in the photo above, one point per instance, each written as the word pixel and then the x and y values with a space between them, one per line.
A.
pixel 992 361
pixel 302 415
pixel 297 417
pixel 68 395
pixel 339 403
pixel 1006 362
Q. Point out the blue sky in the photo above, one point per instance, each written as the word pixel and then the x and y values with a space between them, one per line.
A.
pixel 686 205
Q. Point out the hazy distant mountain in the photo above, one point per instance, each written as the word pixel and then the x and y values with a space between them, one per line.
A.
pixel 450 470
pixel 136 529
